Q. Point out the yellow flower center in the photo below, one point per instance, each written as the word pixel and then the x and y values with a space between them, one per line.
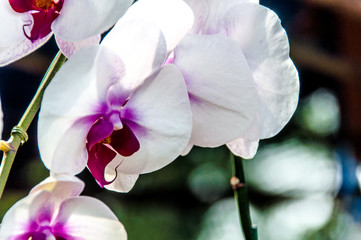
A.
pixel 45 4
pixel 107 140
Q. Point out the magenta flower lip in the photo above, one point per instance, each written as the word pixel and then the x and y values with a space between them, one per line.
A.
pixel 29 24
pixel 104 141
pixel 44 12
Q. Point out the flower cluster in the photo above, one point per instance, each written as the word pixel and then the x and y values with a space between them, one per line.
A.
pixel 170 75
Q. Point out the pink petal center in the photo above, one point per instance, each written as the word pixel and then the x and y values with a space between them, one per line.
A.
pixel 44 12
pixel 44 234
pixel 40 229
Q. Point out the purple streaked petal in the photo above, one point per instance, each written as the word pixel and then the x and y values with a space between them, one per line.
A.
pixel 91 17
pixel 70 142
pixel 69 48
pixel 39 217
pixel 21 218
pixel 117 96
pixel 162 121
pixel 124 141
pixel 44 214
pixel 100 130
pixel 88 218
pixel 68 113
pixel 99 156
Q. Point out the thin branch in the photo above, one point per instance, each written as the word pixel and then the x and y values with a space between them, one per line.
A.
pixel 18 133
pixel 238 183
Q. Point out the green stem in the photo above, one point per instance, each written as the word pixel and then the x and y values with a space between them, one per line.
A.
pixel 19 137
pixel 240 191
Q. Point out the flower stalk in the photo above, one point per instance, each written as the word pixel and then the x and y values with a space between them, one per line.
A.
pixel 240 190
pixel 18 133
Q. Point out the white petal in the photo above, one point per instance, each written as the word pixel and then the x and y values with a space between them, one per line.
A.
pixel 166 14
pixel 110 69
pixel 162 121
pixel 187 149
pixel 61 186
pixel 80 19
pixel 69 103
pixel 140 45
pixel 220 86
pixel 123 182
pixel 22 213
pixel 208 14
pixel 12 24
pixel 259 33
pixel 69 48
pixel 17 50
pixel 243 148
pixel 90 219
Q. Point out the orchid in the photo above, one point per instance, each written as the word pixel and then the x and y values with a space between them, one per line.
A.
pixel 54 210
pixel 28 24
pixel 222 94
pixel 124 114
pixel 237 41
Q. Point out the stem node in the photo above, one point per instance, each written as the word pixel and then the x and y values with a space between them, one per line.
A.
pixel 240 190
pixel 21 133
pixel 18 133
pixel 236 183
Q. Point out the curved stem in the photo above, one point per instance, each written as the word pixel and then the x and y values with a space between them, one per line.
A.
pixel 19 137
pixel 240 191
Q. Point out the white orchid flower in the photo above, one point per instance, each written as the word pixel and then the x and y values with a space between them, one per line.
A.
pixel 54 210
pixel 28 24
pixel 254 33
pixel 115 109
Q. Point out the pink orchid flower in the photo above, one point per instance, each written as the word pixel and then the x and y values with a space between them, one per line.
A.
pixel 28 24
pixel 115 109
pixel 54 210
pixel 245 41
